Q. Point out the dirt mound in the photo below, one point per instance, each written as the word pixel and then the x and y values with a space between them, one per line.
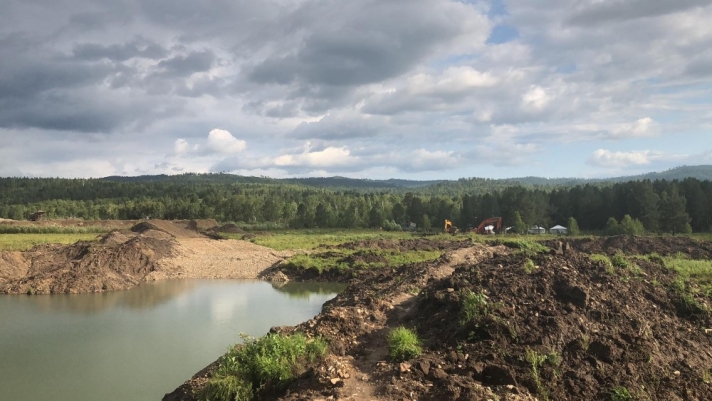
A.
pixel 169 227
pixel 199 225
pixel 403 245
pixel 634 245
pixel 143 227
pixel 512 327
pixel 104 265
pixel 114 237
pixel 228 228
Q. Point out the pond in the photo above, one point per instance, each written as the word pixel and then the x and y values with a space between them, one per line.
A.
pixel 137 344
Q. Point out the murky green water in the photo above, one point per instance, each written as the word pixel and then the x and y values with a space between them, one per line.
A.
pixel 140 344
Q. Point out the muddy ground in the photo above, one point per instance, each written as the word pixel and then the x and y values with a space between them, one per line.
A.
pixel 594 331
pixel 147 251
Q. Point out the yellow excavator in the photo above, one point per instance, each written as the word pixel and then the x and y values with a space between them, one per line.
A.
pixel 449 228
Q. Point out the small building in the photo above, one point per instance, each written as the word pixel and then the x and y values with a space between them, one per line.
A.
pixel 559 230
pixel 536 230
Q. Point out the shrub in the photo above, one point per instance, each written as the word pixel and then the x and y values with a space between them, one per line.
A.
pixel 403 344
pixel 573 226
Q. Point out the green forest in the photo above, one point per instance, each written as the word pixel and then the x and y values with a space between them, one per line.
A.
pixel 654 206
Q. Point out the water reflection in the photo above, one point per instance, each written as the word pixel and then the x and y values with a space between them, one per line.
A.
pixel 137 344
pixel 147 295
pixel 306 290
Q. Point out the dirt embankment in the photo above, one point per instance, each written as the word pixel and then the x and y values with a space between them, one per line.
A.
pixel 119 260
pixel 567 329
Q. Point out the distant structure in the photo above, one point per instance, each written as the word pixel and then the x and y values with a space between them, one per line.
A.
pixel 37 216
pixel 559 230
pixel 536 230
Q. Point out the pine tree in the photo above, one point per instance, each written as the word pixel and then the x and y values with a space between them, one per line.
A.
pixel 573 227
pixel 673 217
pixel 520 227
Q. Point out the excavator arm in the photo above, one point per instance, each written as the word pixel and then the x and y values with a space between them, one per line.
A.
pixel 495 221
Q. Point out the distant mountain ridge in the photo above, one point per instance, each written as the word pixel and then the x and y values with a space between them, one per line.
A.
pixel 703 172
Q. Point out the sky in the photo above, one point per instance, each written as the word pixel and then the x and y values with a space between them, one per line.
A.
pixel 415 89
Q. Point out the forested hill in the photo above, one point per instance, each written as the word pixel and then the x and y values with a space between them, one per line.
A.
pixel 320 182
pixel 436 187
pixel 657 206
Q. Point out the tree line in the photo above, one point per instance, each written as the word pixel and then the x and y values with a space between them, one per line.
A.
pixel 653 206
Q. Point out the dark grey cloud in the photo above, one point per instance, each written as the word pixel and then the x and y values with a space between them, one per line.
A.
pixel 375 41
pixel 184 65
pixel 120 52
pixel 600 12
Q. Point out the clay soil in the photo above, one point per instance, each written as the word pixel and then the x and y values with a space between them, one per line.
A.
pixel 121 259
pixel 595 332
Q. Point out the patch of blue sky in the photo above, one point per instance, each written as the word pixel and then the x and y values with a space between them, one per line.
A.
pixel 496 8
pixel 502 33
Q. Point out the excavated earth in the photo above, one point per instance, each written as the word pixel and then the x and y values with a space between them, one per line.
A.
pixel 595 330
pixel 121 259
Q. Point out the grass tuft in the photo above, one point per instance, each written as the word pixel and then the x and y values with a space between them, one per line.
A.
pixel 403 344
pixel 620 393
pixel 261 365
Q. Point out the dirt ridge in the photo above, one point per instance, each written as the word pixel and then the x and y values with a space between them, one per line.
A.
pixel 592 330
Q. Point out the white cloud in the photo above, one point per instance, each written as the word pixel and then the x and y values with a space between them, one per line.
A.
pixel 329 157
pixel 180 146
pixel 608 159
pixel 222 142
pixel 536 98
pixel 644 127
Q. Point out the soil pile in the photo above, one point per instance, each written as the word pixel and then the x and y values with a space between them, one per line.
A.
pixel 104 265
pixel 228 228
pixel 633 245
pixel 119 260
pixel 199 225
pixel 562 327
pixel 403 245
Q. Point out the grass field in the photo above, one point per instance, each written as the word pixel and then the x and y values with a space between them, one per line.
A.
pixel 23 242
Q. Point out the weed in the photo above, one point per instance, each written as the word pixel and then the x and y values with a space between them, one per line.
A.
pixel 413 290
pixel 536 360
pixel 620 393
pixel 618 260
pixel 553 359
pixel 473 307
pixel 605 260
pixel 585 342
pixel 403 344
pixel 688 303
pixel 707 376
pixel 263 364
pixel 529 266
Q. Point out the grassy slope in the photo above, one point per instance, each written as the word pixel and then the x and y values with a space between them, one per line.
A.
pixel 23 242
